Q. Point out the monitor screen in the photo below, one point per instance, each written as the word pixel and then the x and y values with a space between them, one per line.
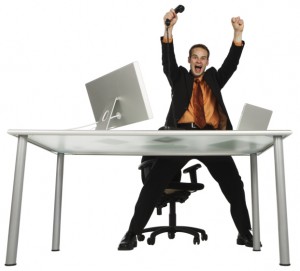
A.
pixel 119 98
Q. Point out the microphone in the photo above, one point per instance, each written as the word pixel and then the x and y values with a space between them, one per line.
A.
pixel 178 9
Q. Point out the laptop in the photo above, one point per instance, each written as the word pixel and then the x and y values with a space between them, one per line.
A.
pixel 254 118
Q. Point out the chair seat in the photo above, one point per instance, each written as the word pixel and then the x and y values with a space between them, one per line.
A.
pixel 177 187
pixel 186 186
pixel 176 196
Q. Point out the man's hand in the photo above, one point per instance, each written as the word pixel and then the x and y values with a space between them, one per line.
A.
pixel 172 16
pixel 238 27
pixel 237 24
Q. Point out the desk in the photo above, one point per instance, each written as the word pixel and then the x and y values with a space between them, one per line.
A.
pixel 190 143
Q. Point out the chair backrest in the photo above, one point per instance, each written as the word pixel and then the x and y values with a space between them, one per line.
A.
pixel 146 165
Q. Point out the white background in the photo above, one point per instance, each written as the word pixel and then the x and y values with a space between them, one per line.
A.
pixel 50 49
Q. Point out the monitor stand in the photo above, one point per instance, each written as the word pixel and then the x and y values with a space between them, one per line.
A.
pixel 107 115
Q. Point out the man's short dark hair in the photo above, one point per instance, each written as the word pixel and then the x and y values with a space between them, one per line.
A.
pixel 199 46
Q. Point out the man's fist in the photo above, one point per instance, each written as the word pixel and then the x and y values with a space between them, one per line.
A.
pixel 237 24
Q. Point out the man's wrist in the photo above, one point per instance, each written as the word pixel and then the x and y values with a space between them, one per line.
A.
pixel 168 29
pixel 167 39
pixel 238 37
pixel 168 34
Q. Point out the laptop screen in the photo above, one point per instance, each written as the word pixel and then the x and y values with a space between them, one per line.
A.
pixel 254 118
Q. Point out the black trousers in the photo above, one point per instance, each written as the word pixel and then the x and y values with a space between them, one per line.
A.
pixel 221 168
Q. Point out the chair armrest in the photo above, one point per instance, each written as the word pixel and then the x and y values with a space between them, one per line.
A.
pixel 192 171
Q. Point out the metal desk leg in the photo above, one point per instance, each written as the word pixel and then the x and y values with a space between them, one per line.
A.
pixel 255 202
pixel 58 202
pixel 281 202
pixel 16 203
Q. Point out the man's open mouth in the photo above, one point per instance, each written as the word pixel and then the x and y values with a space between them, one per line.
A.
pixel 198 68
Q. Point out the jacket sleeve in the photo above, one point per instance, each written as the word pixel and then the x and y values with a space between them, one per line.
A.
pixel 230 64
pixel 169 63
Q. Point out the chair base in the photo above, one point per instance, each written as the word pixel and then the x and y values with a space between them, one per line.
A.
pixel 171 230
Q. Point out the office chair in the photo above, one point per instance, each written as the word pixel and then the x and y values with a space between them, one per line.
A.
pixel 175 192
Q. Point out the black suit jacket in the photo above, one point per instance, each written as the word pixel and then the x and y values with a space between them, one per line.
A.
pixel 181 81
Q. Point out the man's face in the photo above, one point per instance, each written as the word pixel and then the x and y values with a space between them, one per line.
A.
pixel 198 61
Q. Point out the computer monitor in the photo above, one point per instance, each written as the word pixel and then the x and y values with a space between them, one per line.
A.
pixel 119 98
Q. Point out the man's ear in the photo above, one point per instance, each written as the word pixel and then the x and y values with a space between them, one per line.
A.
pixel 189 60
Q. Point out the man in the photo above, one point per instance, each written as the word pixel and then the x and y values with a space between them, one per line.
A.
pixel 197 104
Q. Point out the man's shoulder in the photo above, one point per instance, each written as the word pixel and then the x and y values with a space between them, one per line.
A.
pixel 183 69
pixel 210 71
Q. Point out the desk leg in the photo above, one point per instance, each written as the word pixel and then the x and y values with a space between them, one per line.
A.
pixel 255 202
pixel 58 202
pixel 16 203
pixel 281 202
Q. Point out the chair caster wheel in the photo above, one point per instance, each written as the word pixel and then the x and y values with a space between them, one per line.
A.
pixel 141 237
pixel 171 235
pixel 204 237
pixel 196 241
pixel 151 241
